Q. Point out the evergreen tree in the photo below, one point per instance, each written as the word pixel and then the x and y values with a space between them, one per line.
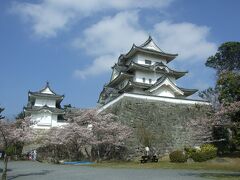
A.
pixel 1 110
pixel 227 58
pixel 20 115
pixel 228 85
pixel 226 62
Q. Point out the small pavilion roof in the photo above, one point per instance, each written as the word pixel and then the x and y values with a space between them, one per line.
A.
pixel 46 92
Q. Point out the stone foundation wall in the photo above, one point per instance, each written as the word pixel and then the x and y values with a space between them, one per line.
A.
pixel 161 125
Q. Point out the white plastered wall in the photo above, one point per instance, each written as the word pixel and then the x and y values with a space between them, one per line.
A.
pixel 139 75
pixel 42 102
pixel 42 118
pixel 140 59
pixel 45 120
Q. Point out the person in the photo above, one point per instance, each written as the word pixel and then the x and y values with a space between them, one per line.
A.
pixel 34 155
pixel 30 155
pixel 147 150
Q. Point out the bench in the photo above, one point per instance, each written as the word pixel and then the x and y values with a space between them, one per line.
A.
pixel 154 159
pixel 146 159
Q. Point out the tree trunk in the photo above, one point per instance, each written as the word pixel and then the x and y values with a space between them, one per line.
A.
pixel 4 174
pixel 98 155
pixel 87 153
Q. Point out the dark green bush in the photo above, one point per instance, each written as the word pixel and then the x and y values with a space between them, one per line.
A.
pixel 189 151
pixel 207 151
pixel 178 156
pixel 10 150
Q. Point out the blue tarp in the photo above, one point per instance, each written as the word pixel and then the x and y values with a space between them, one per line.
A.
pixel 79 163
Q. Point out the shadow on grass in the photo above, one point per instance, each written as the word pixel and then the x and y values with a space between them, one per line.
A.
pixel 8 170
pixel 217 175
pixel 43 172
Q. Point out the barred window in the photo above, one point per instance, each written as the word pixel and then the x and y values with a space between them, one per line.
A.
pixel 148 62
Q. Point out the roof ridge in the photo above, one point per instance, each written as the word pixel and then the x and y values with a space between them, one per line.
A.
pixel 47 86
pixel 149 40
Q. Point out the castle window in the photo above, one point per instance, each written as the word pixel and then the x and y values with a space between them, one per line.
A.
pixel 121 85
pixel 150 81
pixel 148 62
pixel 143 80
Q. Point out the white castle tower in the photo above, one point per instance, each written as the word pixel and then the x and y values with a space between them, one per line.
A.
pixel 144 71
pixel 44 108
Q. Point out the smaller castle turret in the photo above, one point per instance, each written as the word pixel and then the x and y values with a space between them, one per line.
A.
pixel 44 107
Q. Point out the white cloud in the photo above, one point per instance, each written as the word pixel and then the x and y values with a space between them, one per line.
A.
pixel 107 39
pixel 114 35
pixel 49 16
pixel 99 65
pixel 45 20
pixel 187 39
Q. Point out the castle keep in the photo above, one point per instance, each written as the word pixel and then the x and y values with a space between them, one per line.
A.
pixel 144 71
pixel 144 94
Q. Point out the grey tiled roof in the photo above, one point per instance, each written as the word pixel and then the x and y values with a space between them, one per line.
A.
pixel 38 108
pixel 153 68
pixel 169 57
pixel 38 94
pixel 41 94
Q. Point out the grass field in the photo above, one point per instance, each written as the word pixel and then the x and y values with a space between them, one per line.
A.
pixel 226 164
pixel 221 165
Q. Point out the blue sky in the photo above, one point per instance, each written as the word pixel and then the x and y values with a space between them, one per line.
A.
pixel 73 43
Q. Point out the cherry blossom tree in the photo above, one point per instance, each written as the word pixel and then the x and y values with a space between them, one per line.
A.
pixel 227 122
pixel 108 134
pixel 72 138
pixel 229 112
pixel 11 133
pixel 86 131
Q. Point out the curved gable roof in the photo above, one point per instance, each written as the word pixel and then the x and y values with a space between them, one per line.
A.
pixel 148 47
pixel 46 92
pixel 165 81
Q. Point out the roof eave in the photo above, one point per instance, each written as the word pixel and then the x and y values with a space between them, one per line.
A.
pixel 28 110
pixel 37 94
pixel 118 78
pixel 135 49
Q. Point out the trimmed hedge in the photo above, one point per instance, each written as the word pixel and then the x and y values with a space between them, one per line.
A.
pixel 178 156
pixel 207 151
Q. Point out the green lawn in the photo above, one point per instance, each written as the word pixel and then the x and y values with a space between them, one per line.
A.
pixel 223 164
pixel 220 164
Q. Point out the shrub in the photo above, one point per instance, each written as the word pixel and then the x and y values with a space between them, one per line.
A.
pixel 207 151
pixel 189 151
pixel 178 156
pixel 10 150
